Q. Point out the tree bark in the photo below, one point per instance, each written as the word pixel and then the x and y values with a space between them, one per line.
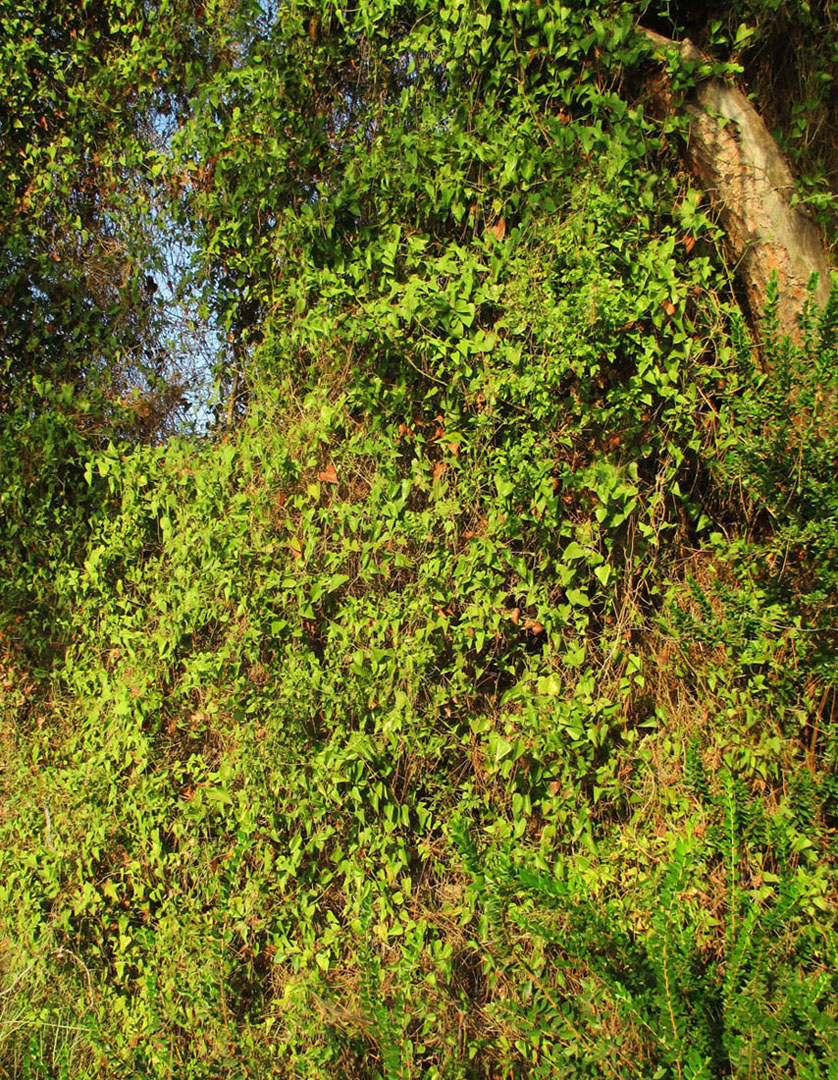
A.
pixel 740 167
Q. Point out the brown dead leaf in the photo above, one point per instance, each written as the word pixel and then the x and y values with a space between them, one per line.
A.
pixel 499 229
pixel 328 476
pixel 689 243
pixel 439 469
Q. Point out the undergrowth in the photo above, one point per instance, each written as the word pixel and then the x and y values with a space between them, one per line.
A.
pixel 467 710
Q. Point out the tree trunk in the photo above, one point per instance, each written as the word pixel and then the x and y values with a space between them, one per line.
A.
pixel 737 162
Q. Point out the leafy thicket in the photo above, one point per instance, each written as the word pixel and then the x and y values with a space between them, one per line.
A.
pixel 465 707
pixel 89 95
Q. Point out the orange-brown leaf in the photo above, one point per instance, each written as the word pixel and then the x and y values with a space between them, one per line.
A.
pixel 328 476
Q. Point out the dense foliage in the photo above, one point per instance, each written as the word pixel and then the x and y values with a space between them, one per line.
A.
pixel 462 704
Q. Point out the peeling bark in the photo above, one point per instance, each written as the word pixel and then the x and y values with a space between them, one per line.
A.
pixel 737 162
